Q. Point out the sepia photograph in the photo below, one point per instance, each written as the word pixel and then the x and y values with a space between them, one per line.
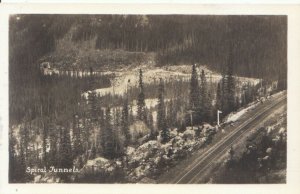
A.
pixel 147 98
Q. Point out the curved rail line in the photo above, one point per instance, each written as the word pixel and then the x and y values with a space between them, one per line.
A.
pixel 218 149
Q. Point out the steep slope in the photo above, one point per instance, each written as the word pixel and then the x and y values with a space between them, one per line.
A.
pixel 259 42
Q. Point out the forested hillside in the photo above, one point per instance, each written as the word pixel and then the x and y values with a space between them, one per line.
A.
pixel 258 45
pixel 259 42
pixel 125 81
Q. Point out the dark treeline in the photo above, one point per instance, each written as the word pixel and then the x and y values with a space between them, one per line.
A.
pixel 49 96
pixel 260 42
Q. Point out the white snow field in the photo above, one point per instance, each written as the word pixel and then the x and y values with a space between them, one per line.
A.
pixel 128 77
pixel 234 116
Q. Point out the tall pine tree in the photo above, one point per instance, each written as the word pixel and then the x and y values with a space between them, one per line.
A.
pixel 210 108
pixel 93 106
pixel 219 97
pixel 77 144
pixel 141 99
pixel 53 137
pixel 125 122
pixel 21 175
pixel 44 140
pixel 230 84
pixel 24 139
pixel 204 101
pixel 65 150
pixel 108 138
pixel 194 90
pixel 195 98
pixel 171 114
pixel 224 96
pixel 161 114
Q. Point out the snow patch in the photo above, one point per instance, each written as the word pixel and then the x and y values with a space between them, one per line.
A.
pixel 126 78
pixel 100 161
pixel 130 150
pixel 233 117
pixel 281 130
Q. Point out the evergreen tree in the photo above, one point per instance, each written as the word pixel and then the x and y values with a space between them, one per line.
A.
pixel 65 159
pixel 141 99
pixel 204 100
pixel 53 145
pixel 210 108
pixel 65 150
pixel 93 106
pixel 219 97
pixel 44 142
pixel 100 135
pixel 230 86
pixel 86 130
pixel 161 114
pixel 228 98
pixel 194 89
pixel 77 144
pixel 24 138
pixel 125 122
pixel 108 149
pixel 118 119
pixel 224 96
pixel 118 146
pixel 194 98
pixel 98 108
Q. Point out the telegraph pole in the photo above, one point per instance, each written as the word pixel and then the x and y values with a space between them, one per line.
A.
pixel 218 117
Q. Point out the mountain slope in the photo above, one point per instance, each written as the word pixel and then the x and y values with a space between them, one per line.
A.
pixel 259 42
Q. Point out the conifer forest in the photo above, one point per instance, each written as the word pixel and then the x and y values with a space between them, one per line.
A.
pixel 136 98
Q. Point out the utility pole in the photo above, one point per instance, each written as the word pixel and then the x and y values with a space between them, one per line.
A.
pixel 218 115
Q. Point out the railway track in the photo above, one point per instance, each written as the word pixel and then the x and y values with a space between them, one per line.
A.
pixel 193 174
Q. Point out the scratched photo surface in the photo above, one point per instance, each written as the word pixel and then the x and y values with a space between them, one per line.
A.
pixel 176 99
